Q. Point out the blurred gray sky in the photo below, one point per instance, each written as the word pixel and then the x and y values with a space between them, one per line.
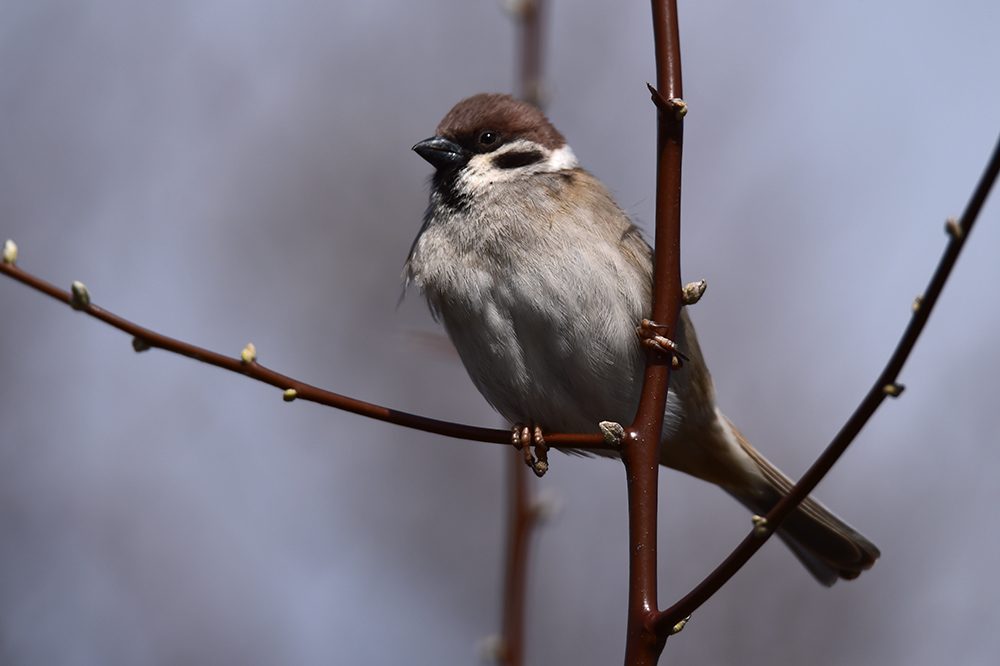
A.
pixel 229 172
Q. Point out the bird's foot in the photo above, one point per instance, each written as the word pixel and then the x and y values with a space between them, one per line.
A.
pixel 526 436
pixel 649 334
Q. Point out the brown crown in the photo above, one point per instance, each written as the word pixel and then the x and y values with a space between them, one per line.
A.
pixel 502 113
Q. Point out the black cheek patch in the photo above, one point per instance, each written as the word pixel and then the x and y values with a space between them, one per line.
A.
pixel 515 159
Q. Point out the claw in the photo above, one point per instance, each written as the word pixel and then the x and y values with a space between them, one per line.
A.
pixel 526 436
pixel 648 335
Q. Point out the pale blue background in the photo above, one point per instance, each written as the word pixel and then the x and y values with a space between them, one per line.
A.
pixel 240 171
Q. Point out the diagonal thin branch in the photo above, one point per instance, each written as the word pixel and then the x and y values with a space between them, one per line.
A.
pixel 884 386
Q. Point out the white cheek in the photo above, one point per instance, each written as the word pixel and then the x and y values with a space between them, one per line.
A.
pixel 562 158
pixel 480 173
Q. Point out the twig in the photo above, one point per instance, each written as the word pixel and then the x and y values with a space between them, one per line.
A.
pixel 144 338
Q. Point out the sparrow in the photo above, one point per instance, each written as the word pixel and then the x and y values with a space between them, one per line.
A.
pixel 541 279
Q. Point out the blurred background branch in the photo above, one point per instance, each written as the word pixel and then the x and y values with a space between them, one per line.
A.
pixel 522 514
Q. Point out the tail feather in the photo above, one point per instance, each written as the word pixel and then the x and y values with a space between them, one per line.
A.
pixel 826 545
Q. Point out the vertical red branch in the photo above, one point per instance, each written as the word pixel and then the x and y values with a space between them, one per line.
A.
pixel 641 444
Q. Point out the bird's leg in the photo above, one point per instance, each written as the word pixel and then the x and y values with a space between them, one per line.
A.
pixel 526 436
pixel 649 334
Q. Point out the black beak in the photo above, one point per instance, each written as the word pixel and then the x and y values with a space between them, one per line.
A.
pixel 442 153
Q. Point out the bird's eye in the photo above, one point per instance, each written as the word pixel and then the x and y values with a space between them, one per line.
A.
pixel 488 138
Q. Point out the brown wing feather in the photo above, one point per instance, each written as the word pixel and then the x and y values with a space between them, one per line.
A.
pixel 828 546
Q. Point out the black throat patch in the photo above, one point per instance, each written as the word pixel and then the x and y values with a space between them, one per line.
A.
pixel 445 191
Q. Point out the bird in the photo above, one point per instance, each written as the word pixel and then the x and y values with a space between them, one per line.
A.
pixel 540 280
